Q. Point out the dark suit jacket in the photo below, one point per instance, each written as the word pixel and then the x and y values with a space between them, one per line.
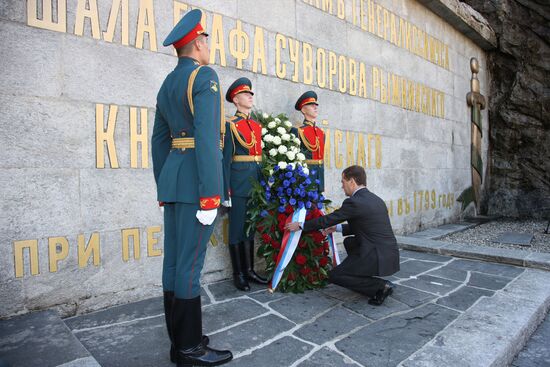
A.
pixel 368 221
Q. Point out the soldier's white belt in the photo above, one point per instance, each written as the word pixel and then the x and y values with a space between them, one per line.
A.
pixel 186 143
pixel 247 158
pixel 315 162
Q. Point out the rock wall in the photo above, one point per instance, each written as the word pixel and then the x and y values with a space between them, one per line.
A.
pixel 519 108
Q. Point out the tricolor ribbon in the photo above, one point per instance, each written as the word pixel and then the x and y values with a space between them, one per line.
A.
pixel 333 249
pixel 288 247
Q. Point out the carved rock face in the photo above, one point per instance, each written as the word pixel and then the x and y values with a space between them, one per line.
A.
pixel 519 108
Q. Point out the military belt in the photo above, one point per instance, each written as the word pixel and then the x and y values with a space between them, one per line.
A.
pixel 314 162
pixel 247 158
pixel 186 143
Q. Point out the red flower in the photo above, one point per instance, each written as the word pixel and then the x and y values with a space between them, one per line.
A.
pixel 323 261
pixel 325 246
pixel 300 259
pixel 305 270
pixel 289 209
pixel 275 244
pixel 302 244
pixel 281 218
pixel 260 228
pixel 291 276
pixel 318 251
pixel 275 256
pixel 266 238
pixel 317 236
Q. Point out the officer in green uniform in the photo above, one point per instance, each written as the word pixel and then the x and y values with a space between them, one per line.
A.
pixel 242 155
pixel 187 163
pixel 312 138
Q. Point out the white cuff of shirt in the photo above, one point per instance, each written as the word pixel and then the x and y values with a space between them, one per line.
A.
pixel 338 228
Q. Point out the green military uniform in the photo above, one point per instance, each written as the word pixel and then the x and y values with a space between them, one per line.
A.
pixel 187 164
pixel 242 157
pixel 312 141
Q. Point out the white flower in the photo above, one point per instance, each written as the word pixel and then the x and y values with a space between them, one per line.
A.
pixel 295 150
pixel 277 120
pixel 265 115
pixel 297 141
pixel 285 137
pixel 263 145
pixel 264 131
pixel 300 156
pixel 287 123
pixel 271 173
pixel 282 149
pixel 268 138
pixel 282 165
pixel 306 171
pixel 291 155
pixel 277 140
pixel 273 152
pixel 292 136
pixel 271 124
pixel 281 130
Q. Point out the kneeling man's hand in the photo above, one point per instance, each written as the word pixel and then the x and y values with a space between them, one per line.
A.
pixel 293 227
pixel 328 230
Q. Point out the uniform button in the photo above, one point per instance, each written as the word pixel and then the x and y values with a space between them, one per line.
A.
pixel 183 133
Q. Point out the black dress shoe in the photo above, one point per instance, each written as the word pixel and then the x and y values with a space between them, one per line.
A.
pixel 202 355
pixel 205 341
pixel 382 294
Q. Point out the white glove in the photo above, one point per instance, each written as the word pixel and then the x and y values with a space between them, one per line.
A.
pixel 227 203
pixel 207 217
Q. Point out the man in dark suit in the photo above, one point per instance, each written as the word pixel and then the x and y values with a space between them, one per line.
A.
pixel 371 245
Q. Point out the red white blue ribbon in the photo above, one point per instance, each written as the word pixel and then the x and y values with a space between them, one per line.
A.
pixel 333 249
pixel 288 246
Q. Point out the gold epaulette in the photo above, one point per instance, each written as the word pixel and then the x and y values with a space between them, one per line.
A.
pixel 247 158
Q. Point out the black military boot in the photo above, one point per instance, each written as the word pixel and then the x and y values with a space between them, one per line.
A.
pixel 239 278
pixel 187 333
pixel 168 303
pixel 249 263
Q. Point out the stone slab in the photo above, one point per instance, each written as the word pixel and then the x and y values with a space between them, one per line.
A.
pixel 293 349
pixel 492 331
pixel 506 271
pixel 137 343
pixel 303 307
pixel 225 290
pixel 222 315
pixel 463 298
pixel 390 305
pixel 536 352
pixel 330 325
pixel 433 285
pixel 410 296
pixel 326 357
pixel 515 238
pixel 395 338
pixel 412 268
pixel 38 339
pixel 425 256
pixel 251 333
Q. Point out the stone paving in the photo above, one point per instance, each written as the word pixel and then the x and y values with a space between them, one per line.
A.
pixel 328 327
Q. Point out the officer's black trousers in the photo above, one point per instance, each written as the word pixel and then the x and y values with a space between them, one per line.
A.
pixel 185 240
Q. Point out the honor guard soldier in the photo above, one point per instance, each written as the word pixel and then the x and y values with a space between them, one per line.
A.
pixel 242 155
pixel 187 163
pixel 312 138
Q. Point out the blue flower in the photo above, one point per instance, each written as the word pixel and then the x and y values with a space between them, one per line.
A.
pixel 281 209
pixel 262 182
pixel 286 183
pixel 267 195
pixel 282 200
pixel 297 191
pixel 276 168
pixel 292 201
pixel 321 198
pixel 289 191
pixel 264 213
pixel 300 204
pixel 289 168
pixel 281 176
pixel 308 204
pixel 271 179
pixel 320 205
pixel 317 181
pixel 313 172
pixel 293 179
pixel 288 174
pixel 303 194
pixel 308 181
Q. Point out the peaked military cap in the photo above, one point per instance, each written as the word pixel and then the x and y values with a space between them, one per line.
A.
pixel 241 85
pixel 309 97
pixel 188 28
